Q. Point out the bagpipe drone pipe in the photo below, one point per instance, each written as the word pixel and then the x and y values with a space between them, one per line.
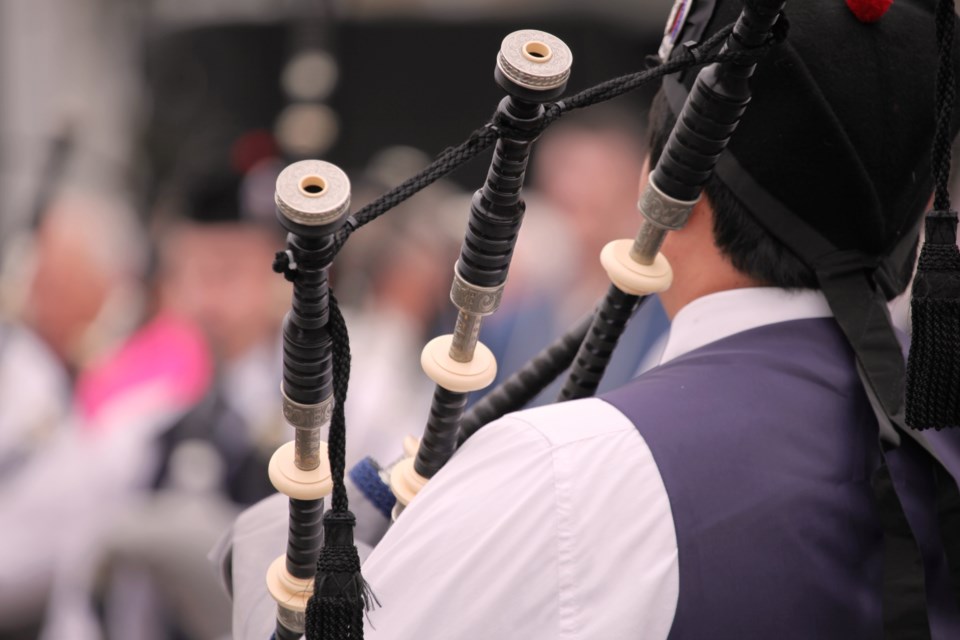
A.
pixel 317 584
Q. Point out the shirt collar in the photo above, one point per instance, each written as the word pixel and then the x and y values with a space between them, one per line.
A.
pixel 719 315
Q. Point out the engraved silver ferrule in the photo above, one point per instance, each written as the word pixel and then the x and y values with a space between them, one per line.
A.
pixel 661 214
pixel 474 302
pixel 481 301
pixel 306 416
pixel 307 420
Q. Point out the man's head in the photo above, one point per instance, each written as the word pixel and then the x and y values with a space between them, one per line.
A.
pixel 837 138
pixel 215 263
pixel 89 257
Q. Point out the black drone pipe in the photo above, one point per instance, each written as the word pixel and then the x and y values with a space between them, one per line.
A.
pixel 533 68
pixel 312 198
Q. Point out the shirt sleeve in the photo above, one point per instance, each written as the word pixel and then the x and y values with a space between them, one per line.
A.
pixel 551 523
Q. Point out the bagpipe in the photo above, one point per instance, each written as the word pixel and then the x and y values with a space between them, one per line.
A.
pixel 317 584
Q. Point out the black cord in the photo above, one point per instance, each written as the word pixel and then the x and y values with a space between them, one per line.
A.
pixel 337 441
pixel 946 93
pixel 481 139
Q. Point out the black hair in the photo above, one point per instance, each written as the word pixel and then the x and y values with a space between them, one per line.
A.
pixel 739 237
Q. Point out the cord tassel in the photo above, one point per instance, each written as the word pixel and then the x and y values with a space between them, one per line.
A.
pixel 341 596
pixel 933 369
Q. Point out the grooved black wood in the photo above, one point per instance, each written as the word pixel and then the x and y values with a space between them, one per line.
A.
pixel 304 538
pixel 594 355
pixel 436 447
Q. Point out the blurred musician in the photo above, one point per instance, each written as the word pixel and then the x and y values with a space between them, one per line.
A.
pixel 131 372
pixel 205 460
pixel 212 267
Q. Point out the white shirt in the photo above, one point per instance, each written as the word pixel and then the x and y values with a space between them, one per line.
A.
pixel 554 522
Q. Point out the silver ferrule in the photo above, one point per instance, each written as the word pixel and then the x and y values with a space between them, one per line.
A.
pixel 481 301
pixel 295 621
pixel 307 420
pixel 306 449
pixel 661 214
pixel 473 302
pixel 306 416
pixel 466 334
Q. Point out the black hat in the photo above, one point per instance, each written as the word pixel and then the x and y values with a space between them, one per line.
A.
pixel 839 129
pixel 226 196
pixel 833 155
pixel 213 198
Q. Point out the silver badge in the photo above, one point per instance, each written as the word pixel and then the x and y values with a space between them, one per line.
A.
pixel 678 17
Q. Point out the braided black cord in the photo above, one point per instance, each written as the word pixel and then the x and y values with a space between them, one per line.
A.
pixel 446 163
pixel 946 93
pixel 687 57
pixel 481 139
pixel 337 440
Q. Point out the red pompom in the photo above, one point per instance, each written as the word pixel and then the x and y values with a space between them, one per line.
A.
pixel 869 10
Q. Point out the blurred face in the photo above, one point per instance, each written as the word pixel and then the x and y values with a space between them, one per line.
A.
pixel 415 282
pixel 219 276
pixel 591 177
pixel 68 289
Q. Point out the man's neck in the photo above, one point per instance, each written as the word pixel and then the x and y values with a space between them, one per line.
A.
pixel 699 267
pixel 689 285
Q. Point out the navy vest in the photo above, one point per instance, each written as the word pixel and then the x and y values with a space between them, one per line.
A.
pixel 766 443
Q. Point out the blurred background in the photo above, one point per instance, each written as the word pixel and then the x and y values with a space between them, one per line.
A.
pixel 139 317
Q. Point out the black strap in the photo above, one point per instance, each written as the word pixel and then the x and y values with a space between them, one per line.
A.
pixel 860 310
pixel 904 595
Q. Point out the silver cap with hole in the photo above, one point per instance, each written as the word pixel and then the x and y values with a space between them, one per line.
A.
pixel 535 60
pixel 313 193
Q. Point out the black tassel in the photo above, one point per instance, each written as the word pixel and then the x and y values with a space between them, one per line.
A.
pixel 933 369
pixel 341 596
